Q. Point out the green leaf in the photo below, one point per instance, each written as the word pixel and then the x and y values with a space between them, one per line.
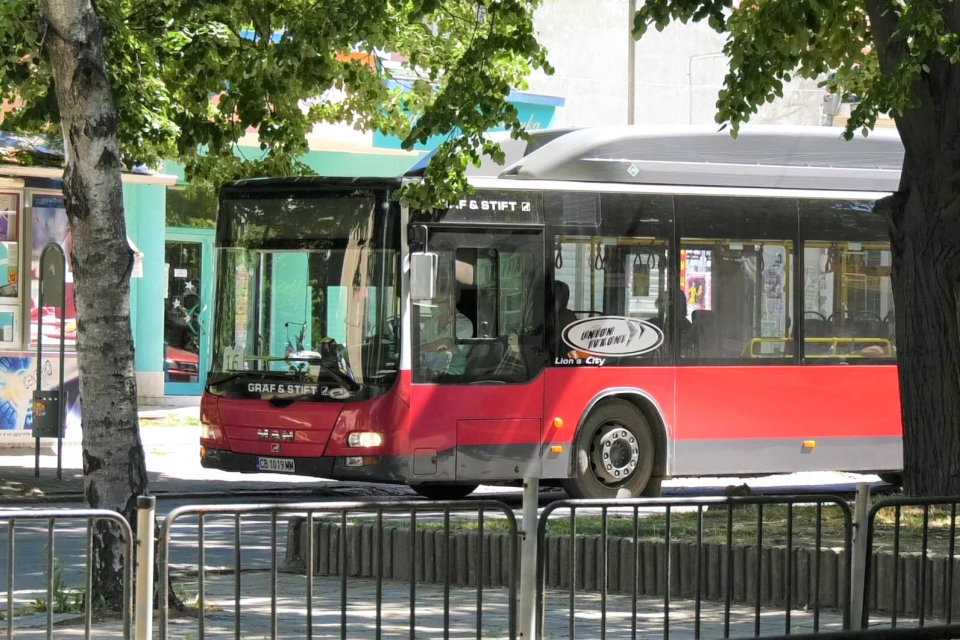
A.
pixel 168 58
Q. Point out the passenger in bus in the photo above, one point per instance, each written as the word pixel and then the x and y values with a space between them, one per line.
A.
pixel 660 320
pixel 439 350
pixel 561 298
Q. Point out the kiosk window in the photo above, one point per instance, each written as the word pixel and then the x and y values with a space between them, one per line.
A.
pixel 50 225
pixel 9 247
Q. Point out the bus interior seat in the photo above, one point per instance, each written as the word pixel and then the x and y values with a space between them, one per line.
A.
pixel 866 328
pixel 816 327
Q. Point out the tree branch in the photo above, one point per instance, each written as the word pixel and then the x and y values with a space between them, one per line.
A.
pixel 884 22
pixel 951 17
pixel 891 208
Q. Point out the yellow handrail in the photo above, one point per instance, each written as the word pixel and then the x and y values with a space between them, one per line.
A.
pixel 833 342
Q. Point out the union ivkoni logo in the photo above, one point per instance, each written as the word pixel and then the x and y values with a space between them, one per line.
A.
pixel 613 336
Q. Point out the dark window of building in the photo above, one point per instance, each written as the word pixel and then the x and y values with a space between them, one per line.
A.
pixel 192 207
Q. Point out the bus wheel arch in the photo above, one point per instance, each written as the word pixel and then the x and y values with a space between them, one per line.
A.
pixel 654 422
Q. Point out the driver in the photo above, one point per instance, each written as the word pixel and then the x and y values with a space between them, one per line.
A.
pixel 440 351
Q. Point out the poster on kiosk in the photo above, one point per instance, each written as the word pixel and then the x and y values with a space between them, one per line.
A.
pixel 18 367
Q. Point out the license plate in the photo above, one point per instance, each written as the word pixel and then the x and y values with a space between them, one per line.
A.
pixel 277 465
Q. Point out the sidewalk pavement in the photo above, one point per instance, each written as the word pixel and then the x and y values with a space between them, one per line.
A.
pixel 361 621
pixel 171 443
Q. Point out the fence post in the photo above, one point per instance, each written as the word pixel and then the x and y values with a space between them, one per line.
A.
pixel 528 559
pixel 858 562
pixel 146 520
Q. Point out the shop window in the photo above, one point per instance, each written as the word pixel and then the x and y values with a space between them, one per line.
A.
pixel 847 302
pixel 193 207
pixel 8 326
pixel 611 277
pixel 737 301
pixel 9 246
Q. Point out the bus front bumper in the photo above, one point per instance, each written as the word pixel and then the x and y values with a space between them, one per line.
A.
pixel 389 469
pixel 248 463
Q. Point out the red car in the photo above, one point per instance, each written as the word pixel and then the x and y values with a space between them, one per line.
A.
pixel 180 365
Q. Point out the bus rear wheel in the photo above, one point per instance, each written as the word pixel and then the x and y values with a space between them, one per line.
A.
pixel 445 491
pixel 614 453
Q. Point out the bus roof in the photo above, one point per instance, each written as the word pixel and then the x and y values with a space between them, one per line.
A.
pixel 250 186
pixel 762 156
pixel 513 150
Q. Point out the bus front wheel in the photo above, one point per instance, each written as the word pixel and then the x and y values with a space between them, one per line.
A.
pixel 444 491
pixel 614 453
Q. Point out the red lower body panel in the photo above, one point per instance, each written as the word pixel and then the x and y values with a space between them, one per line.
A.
pixel 715 421
pixel 737 420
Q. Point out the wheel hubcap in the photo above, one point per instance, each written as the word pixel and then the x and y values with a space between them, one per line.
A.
pixel 614 454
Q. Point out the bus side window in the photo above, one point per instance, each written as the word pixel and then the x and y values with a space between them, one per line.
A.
pixel 737 276
pixel 848 302
pixel 609 276
pixel 739 296
pixel 848 314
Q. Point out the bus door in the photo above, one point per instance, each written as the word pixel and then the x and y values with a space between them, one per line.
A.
pixel 478 352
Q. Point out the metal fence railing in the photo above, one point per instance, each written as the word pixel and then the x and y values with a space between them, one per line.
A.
pixel 947 632
pixel 755 566
pixel 353 549
pixel 607 560
pixel 48 520
pixel 910 578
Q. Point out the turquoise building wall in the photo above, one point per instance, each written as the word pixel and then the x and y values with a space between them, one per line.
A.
pixel 534 111
pixel 145 209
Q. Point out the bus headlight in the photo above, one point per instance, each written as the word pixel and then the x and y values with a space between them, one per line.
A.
pixel 208 432
pixel 365 439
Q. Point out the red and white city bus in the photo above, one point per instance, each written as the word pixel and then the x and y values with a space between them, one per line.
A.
pixel 616 307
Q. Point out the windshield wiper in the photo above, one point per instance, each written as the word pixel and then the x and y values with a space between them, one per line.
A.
pixel 234 375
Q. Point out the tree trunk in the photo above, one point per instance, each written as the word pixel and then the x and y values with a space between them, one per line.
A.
pixel 113 462
pixel 926 266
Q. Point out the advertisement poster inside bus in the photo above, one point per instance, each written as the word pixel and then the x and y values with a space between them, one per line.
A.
pixel 695 279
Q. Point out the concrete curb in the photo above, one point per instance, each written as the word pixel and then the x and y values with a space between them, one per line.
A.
pixel 618 570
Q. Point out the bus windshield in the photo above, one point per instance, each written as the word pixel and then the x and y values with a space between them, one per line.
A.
pixel 307 298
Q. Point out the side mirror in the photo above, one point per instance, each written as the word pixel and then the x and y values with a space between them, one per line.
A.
pixel 423 276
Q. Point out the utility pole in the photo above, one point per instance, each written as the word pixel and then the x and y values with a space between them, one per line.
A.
pixel 631 62
pixel 702 56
